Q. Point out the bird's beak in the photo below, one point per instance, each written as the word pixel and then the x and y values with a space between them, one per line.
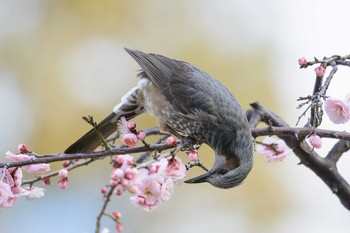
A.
pixel 200 179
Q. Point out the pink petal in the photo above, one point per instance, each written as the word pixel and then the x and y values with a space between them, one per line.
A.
pixel 6 195
pixel 315 141
pixel 19 157
pixel 337 110
pixel 130 139
pixel 37 168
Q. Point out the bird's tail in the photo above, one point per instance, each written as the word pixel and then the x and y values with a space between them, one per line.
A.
pixel 130 107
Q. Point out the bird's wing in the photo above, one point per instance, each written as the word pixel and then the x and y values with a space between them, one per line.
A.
pixel 186 87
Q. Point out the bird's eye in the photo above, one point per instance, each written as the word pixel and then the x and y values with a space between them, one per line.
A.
pixel 222 171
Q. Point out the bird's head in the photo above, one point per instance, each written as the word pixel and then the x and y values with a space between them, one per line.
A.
pixel 227 171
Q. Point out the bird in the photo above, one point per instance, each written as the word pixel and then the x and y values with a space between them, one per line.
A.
pixel 191 105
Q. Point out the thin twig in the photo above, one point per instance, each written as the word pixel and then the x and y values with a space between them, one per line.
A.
pixel 103 209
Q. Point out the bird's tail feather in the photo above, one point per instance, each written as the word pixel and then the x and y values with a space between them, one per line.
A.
pixel 129 108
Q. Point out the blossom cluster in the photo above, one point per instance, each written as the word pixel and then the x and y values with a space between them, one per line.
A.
pixel 151 185
pixel 130 134
pixel 11 178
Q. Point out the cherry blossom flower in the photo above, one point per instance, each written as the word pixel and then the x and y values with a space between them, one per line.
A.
pixel 46 181
pixel 315 141
pixel 63 183
pixel 302 62
pixel 131 125
pixel 337 110
pixel 130 139
pixel 23 149
pixel 167 189
pixel 141 135
pixel 17 178
pixel 37 168
pixel 171 141
pixel 18 158
pixel 6 196
pixel 32 193
pixel 116 214
pixel 273 149
pixel 8 179
pixel 175 168
pixel 63 173
pixel 149 193
pixel 119 227
pixel 192 155
pixel 320 71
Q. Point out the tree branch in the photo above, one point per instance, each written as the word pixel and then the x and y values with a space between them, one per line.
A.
pixel 324 168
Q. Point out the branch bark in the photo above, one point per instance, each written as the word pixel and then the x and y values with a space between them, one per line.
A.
pixel 325 168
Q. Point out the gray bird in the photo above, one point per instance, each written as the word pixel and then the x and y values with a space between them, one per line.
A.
pixel 190 104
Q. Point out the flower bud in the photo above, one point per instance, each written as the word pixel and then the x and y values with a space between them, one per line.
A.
pixel 63 173
pixel 302 62
pixel 116 214
pixel 315 141
pixel 23 149
pixel 131 125
pixel 192 155
pixel 130 139
pixel 171 141
pixel 104 191
pixel 320 71
pixel 141 135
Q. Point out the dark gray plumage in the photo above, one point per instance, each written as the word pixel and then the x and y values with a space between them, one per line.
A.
pixel 189 103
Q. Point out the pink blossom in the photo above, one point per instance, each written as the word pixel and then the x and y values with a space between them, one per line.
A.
pixel 32 193
pixel 149 194
pixel 141 135
pixel 192 155
pixel 46 181
pixel 63 183
pixel 171 141
pixel 8 179
pixel 302 62
pixel 117 174
pixel 17 178
pixel 167 189
pixel 130 139
pixel 65 164
pixel 320 71
pixel 131 125
pixel 131 173
pixel 124 161
pixel 116 214
pixel 175 168
pixel 337 110
pixel 6 196
pixel 124 183
pixel 18 158
pixel 113 183
pixel 118 191
pixel 23 149
pixel 63 173
pixel 104 191
pixel 273 149
pixel 124 123
pixel 315 141
pixel 119 227
pixel 37 168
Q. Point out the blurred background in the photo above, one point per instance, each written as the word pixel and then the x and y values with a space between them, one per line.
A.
pixel 60 60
